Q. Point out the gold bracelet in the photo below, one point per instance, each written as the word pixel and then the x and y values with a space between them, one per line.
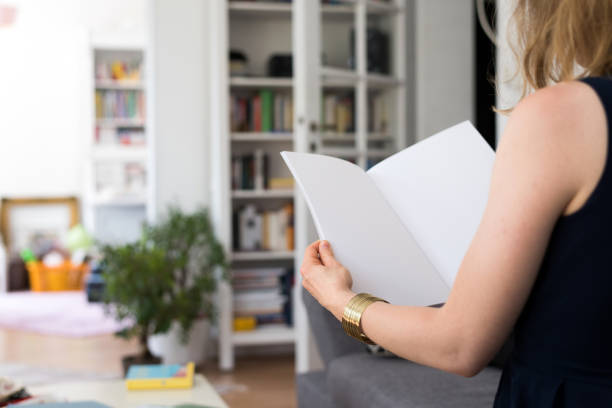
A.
pixel 351 318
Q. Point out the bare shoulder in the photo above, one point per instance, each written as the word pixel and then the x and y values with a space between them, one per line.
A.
pixel 566 110
pixel 561 131
pixel 560 96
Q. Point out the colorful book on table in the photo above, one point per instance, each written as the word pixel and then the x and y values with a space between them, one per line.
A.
pixel 149 377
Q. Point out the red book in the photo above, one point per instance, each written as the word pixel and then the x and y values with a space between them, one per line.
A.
pixel 257 114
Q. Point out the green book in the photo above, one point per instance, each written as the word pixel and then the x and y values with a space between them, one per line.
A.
pixel 267 107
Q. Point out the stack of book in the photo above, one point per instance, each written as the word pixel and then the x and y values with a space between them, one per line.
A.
pixel 265 111
pixel 262 296
pixel 131 137
pixel 119 104
pixel 338 112
pixel 270 230
pixel 122 136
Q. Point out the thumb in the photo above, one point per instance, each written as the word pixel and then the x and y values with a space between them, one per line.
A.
pixel 326 254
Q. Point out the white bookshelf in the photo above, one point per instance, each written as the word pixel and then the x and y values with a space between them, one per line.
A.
pixel 307 29
pixel 258 29
pixel 115 216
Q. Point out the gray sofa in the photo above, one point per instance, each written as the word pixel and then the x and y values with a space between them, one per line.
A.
pixel 355 378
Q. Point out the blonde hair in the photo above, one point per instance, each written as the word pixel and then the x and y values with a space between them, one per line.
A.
pixel 562 40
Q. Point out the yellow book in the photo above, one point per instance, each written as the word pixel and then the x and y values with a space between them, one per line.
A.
pixel 99 102
pixel 280 183
pixel 158 376
pixel 245 323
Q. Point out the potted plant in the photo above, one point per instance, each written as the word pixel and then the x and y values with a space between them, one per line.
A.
pixel 164 283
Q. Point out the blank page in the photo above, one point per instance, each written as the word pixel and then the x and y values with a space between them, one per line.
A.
pixel 366 235
pixel 439 188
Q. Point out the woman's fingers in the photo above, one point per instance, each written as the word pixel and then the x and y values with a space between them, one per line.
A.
pixel 326 253
pixel 311 257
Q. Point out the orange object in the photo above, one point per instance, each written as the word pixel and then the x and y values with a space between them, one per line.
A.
pixel 59 278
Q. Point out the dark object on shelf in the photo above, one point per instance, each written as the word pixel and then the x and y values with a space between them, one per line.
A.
pixel 94 287
pixel 238 63
pixel 286 282
pixel 378 51
pixel 280 65
pixel 18 278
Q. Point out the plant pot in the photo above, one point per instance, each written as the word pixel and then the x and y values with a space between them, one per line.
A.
pixel 138 359
pixel 171 350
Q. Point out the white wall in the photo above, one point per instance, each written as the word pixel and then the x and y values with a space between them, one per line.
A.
pixel 444 64
pixel 178 113
pixel 45 82
pixel 39 103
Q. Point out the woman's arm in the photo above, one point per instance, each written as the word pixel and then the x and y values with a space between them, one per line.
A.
pixel 549 161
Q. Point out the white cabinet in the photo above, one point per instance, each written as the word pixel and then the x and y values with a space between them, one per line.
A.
pixel 345 97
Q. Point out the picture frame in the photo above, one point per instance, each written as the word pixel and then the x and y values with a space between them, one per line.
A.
pixel 24 220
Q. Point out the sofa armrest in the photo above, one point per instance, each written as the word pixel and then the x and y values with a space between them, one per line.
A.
pixel 329 337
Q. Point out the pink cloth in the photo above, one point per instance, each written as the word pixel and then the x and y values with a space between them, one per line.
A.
pixel 57 313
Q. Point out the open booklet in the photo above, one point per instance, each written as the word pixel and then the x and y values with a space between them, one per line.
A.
pixel 403 227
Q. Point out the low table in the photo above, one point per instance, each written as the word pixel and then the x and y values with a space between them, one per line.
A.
pixel 114 394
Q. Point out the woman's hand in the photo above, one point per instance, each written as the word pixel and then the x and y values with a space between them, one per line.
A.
pixel 325 278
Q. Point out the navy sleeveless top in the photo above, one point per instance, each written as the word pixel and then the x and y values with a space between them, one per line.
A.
pixel 562 353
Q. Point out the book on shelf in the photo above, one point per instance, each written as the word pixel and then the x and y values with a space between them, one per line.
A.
pixel 255 121
pixel 261 230
pixel 337 113
pixel 280 183
pixel 415 213
pixel 264 111
pixel 245 323
pixel 119 104
pixel 250 171
pixel 261 170
pixel 262 296
pixel 259 302
pixel 378 113
pixel 267 102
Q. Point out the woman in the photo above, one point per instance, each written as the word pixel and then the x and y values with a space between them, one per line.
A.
pixel 539 261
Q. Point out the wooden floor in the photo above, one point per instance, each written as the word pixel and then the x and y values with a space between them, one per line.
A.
pixel 256 381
